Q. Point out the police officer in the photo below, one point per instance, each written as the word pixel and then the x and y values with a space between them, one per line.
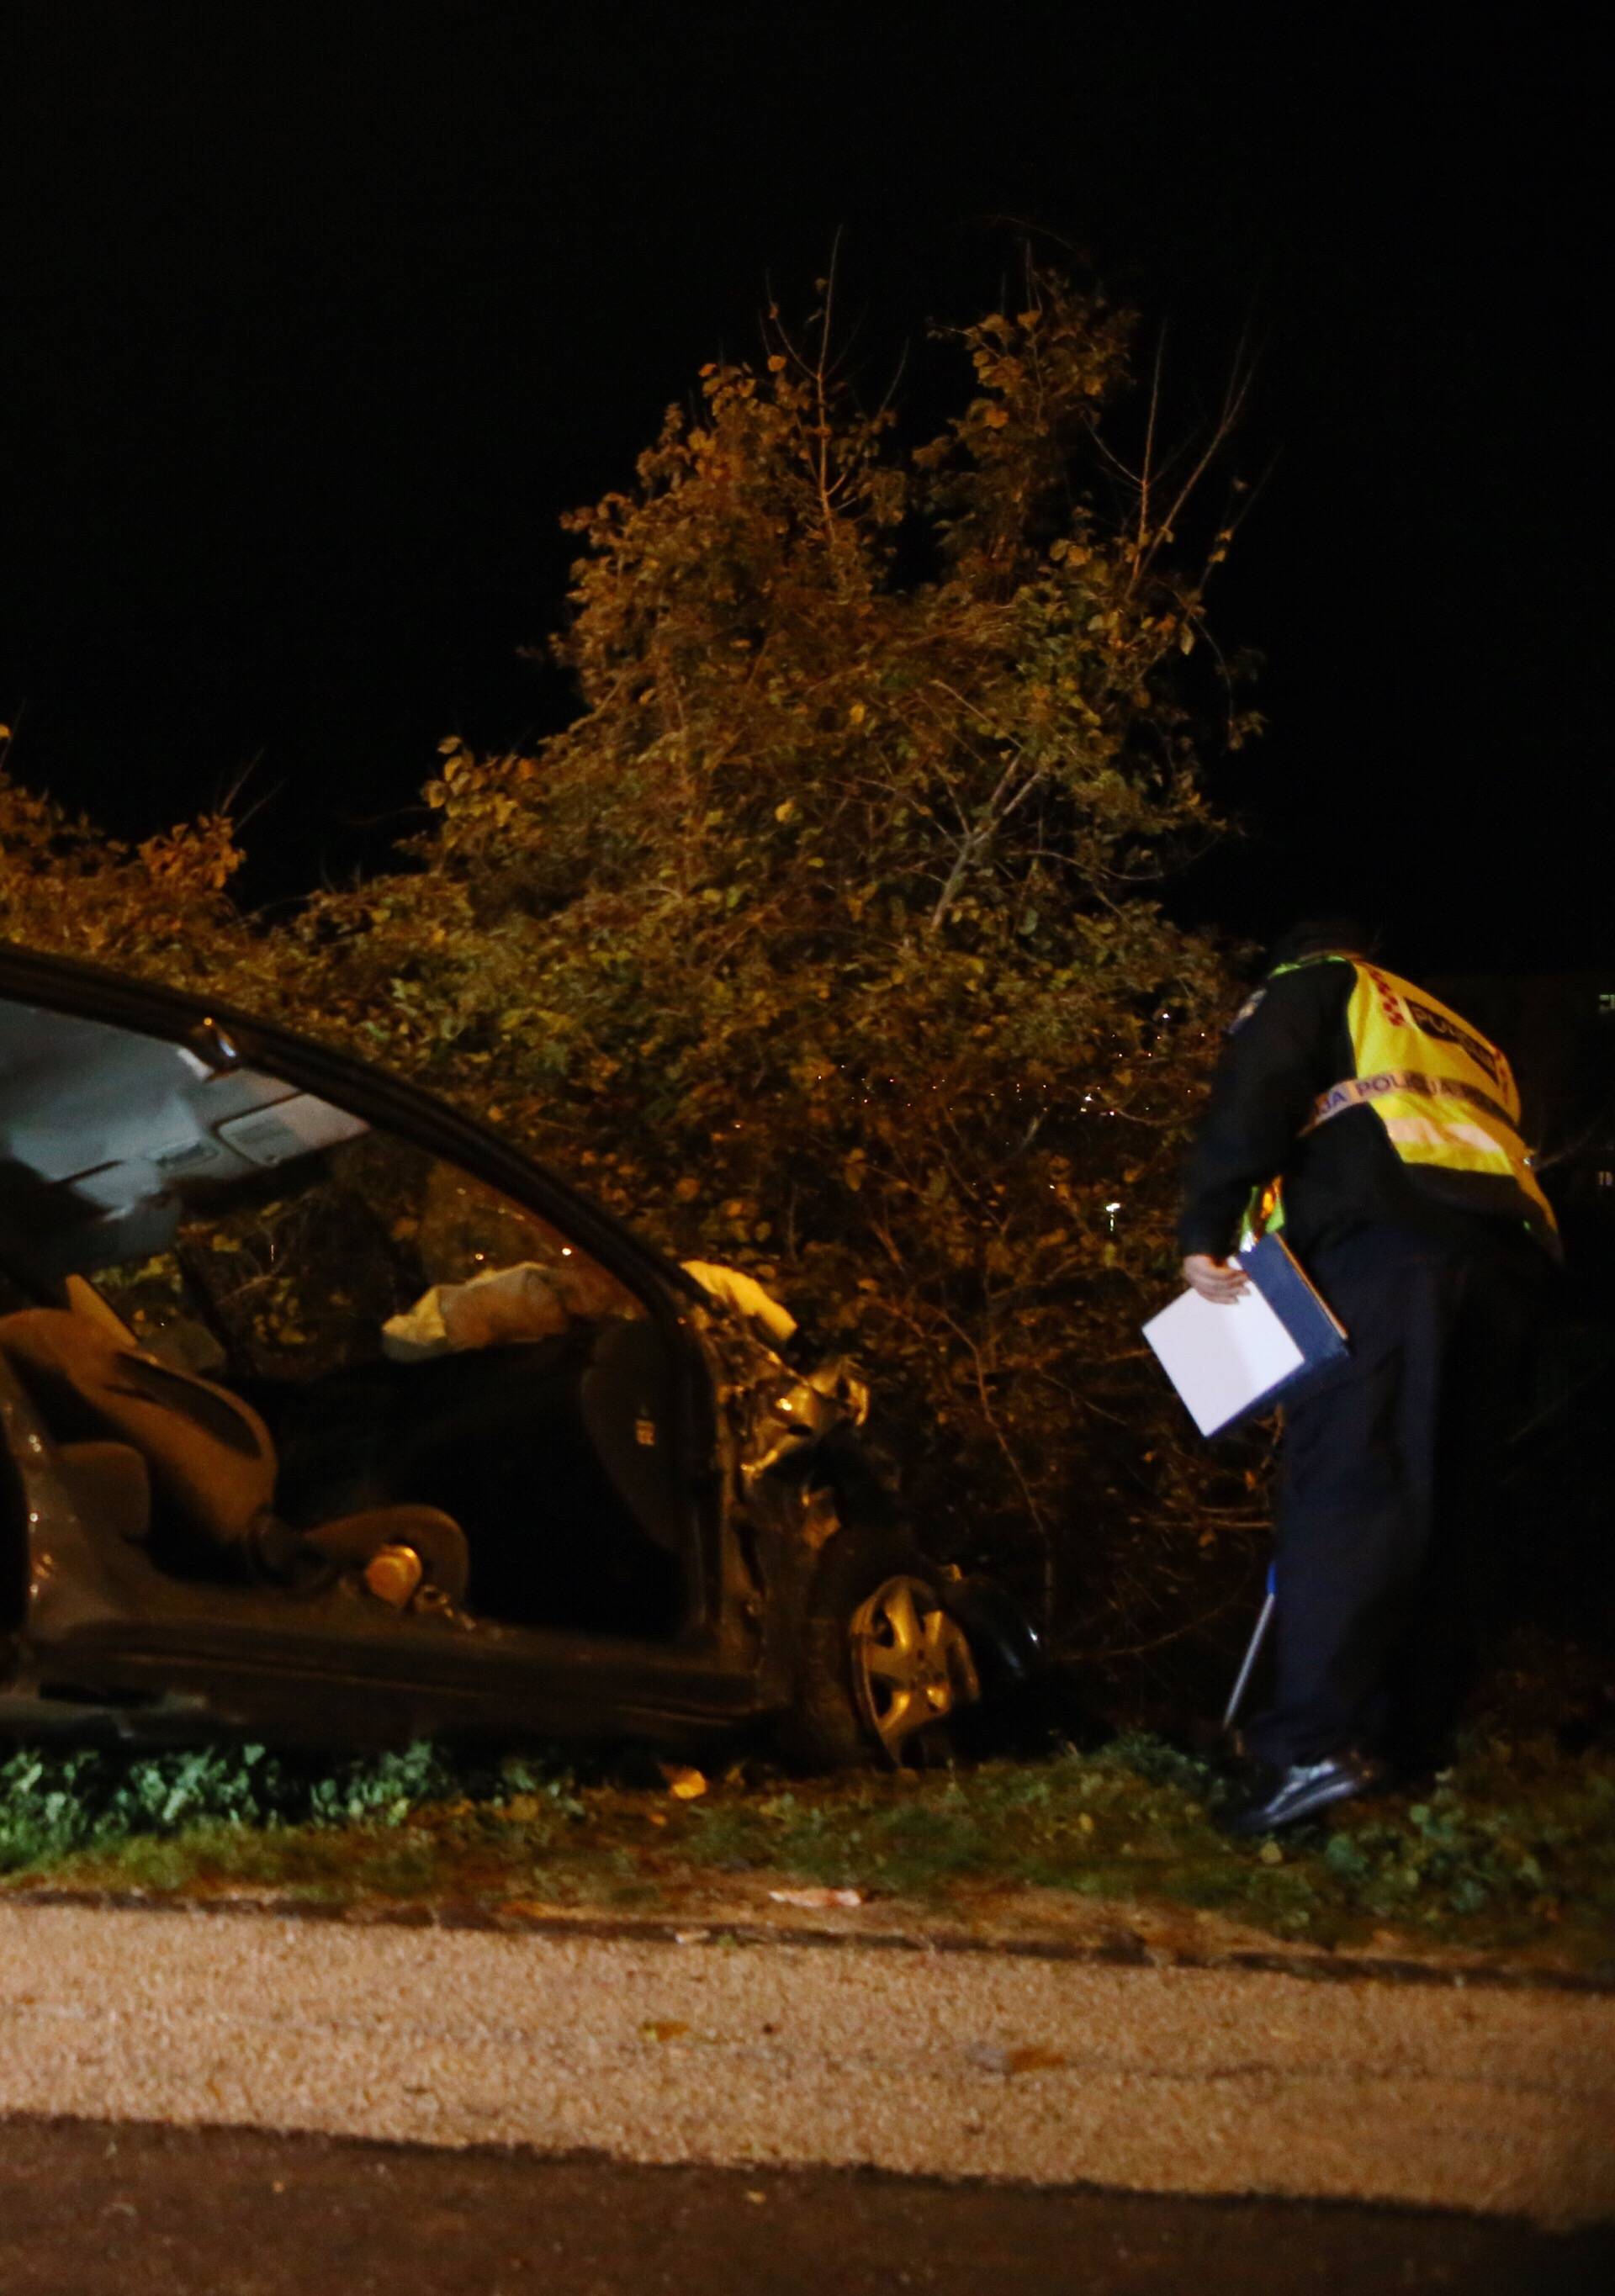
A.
pixel 1380 1133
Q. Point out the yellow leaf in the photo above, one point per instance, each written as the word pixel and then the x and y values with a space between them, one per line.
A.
pixel 684 1786
pixel 661 2029
pixel 857 713
pixel 1032 2059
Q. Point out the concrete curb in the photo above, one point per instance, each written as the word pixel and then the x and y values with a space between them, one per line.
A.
pixel 1124 1948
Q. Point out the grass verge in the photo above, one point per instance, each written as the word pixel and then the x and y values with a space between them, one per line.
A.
pixel 1511 1852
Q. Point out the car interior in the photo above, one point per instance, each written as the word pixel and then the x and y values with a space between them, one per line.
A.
pixel 215 1293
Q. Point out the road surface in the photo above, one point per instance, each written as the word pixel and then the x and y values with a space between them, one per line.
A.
pixel 975 2064
pixel 87 2209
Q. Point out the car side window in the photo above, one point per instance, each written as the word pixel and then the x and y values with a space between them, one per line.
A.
pixel 467 1230
pixel 372 1247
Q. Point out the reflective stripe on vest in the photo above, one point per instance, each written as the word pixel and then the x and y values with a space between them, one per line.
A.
pixel 1357 1090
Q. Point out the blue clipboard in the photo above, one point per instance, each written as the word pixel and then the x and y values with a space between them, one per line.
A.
pixel 1304 1312
pixel 1232 1362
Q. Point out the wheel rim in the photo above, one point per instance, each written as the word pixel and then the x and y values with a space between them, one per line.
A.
pixel 911 1666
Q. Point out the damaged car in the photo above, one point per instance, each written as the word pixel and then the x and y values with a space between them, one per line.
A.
pixel 328 1418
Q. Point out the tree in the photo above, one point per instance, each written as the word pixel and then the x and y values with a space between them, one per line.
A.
pixel 823 938
pixel 161 907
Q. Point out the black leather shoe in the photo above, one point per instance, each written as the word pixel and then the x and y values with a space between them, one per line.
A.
pixel 1302 1791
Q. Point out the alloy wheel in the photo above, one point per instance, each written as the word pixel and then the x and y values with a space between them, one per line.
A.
pixel 911 1668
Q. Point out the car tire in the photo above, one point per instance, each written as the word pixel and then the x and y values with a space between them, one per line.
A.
pixel 874 1590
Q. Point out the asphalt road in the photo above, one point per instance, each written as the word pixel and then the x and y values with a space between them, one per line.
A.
pixel 1014 2067
pixel 87 2209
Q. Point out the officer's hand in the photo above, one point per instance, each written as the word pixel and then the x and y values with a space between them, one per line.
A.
pixel 1222 1280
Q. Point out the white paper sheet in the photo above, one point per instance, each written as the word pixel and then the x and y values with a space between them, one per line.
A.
pixel 1221 1359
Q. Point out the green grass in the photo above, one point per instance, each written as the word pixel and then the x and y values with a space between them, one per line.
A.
pixel 1512 1850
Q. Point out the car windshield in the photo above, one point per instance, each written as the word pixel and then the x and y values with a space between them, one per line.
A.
pixel 234 1221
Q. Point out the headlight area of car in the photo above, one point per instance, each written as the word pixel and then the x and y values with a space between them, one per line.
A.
pixel 789 1415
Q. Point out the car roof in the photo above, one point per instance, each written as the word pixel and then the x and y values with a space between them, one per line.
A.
pixel 98 1127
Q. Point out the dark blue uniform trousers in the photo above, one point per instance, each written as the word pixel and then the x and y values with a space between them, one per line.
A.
pixel 1389 1475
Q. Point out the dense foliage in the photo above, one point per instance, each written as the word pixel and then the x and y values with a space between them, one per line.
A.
pixel 823 940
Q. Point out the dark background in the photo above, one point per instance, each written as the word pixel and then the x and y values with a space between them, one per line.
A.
pixel 314 319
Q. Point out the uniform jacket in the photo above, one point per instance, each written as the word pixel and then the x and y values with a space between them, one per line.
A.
pixel 1288 1045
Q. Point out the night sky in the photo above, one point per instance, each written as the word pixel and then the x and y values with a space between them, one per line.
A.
pixel 315 318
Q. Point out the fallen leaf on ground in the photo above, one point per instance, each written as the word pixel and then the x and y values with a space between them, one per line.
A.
pixel 993 2058
pixel 815 1900
pixel 685 1784
pixel 661 2029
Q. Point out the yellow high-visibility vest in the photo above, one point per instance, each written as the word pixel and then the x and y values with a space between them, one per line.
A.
pixel 1444 1093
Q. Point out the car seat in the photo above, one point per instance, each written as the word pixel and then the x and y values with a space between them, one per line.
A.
pixel 118 1416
